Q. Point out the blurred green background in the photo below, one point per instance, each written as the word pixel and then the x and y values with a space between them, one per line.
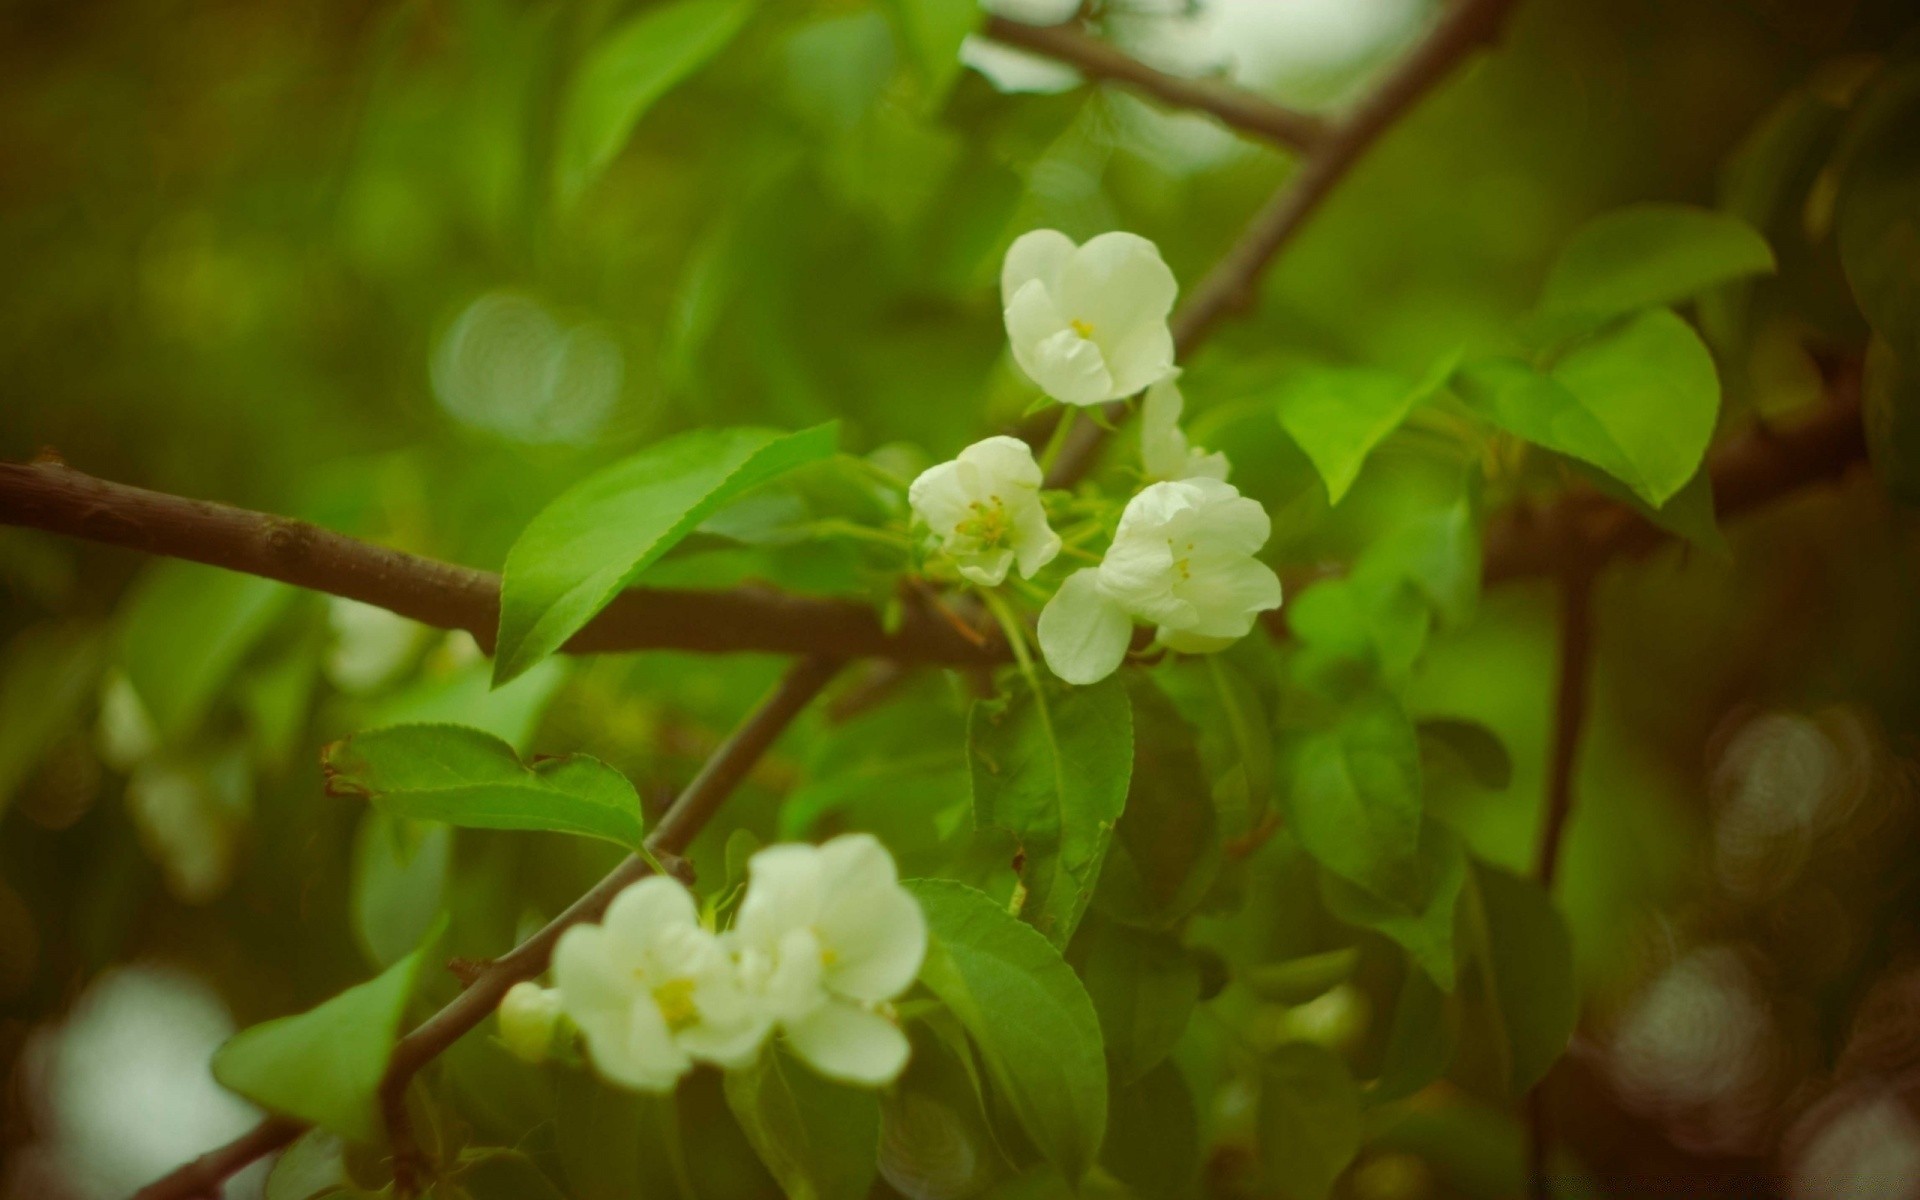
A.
pixel 344 260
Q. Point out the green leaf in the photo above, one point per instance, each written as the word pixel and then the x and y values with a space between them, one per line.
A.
pixel 1143 985
pixel 47 674
pixel 1420 1042
pixel 1638 401
pixel 933 31
pixel 1355 797
pixel 466 696
pixel 1523 991
pixel 324 1065
pixel 1298 980
pixel 1153 1135
pixel 1027 1012
pixel 1890 404
pixel 819 1139
pixel 633 66
pixel 1052 769
pixel 617 1145
pixel 1419 918
pixel 1474 746
pixel 497 1173
pixel 1650 255
pixel 465 777
pixel 312 1167
pixel 591 542
pixel 184 630
pixel 1166 846
pixel 1309 1119
pixel 935 1138
pixel 1877 210
pixel 1337 415
pixel 397 879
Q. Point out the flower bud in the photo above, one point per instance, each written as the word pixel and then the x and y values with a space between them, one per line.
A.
pixel 528 1014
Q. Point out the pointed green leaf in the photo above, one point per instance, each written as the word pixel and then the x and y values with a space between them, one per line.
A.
pixel 1648 255
pixel 818 1139
pixel 1420 916
pixel 1143 985
pixel 184 630
pixel 1166 846
pixel 1523 992
pixel 465 777
pixel 633 66
pixel 592 541
pixel 1337 415
pixel 324 1065
pixel 1355 799
pixel 1028 1014
pixel 1052 770
pixel 1153 1135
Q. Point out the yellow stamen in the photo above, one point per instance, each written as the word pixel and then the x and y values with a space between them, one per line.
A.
pixel 675 998
pixel 1081 327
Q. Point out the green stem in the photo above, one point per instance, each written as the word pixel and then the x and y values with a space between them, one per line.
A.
pixel 1058 441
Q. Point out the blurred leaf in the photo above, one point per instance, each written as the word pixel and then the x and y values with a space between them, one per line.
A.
pixel 1638 401
pixel 1143 986
pixel 1420 1042
pixel 397 878
pixel 310 1168
pixel 1153 1135
pixel 46 675
pixel 1339 414
pixel 184 628
pixel 1355 795
pixel 465 777
pixel 617 1145
pixel 1877 211
pixel 1438 551
pixel 1525 1000
pixel 933 31
pixel 1374 616
pixel 1298 980
pixel 324 1065
pixel 1027 1012
pixel 591 542
pixel 1309 1119
pixel 935 1141
pixel 1052 769
pixel 633 66
pixel 1477 748
pixel 496 1173
pixel 1421 917
pixel 1890 404
pixel 1166 847
pixel 818 1138
pixel 465 696
pixel 1649 255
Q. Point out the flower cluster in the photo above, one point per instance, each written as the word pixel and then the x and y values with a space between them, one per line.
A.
pixel 824 938
pixel 1089 324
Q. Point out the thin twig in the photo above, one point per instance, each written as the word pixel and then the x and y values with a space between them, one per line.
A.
pixel 675 831
pixel 1230 287
pixel 1235 106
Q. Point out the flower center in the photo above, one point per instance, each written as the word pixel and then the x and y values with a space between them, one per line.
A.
pixel 988 524
pixel 675 998
pixel 1182 564
pixel 1082 328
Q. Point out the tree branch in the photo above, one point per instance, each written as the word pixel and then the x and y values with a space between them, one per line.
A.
pixel 51 496
pixel 1099 59
pixel 1230 287
pixel 675 831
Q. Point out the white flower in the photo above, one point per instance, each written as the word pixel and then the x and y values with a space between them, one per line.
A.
pixel 984 509
pixel 825 935
pixel 1182 559
pixel 1088 323
pixel 528 1014
pixel 1164 452
pixel 652 990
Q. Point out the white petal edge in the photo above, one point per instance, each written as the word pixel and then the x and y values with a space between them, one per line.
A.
pixel 1083 634
pixel 851 1044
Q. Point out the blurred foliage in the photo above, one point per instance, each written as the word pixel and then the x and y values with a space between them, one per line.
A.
pixel 415 270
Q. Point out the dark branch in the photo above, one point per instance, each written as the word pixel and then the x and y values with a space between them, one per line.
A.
pixel 1242 109
pixel 58 499
pixel 675 832
pixel 1230 287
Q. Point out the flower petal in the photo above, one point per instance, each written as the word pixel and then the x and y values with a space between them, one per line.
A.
pixel 1035 257
pixel 987 568
pixel 1138 356
pixel 1163 448
pixel 783 893
pixel 644 911
pixel 1003 462
pixel 1083 634
pixel 938 498
pixel 1070 368
pixel 1034 541
pixel 851 1044
pixel 1117 283
pixel 878 947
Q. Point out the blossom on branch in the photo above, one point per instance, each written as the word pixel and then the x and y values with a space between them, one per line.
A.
pixel 824 937
pixel 1182 559
pixel 1088 323
pixel 1164 451
pixel 984 510
pixel 653 991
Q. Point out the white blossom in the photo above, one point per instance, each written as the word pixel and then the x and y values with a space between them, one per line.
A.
pixel 1088 323
pixel 1164 452
pixel 1182 559
pixel 652 990
pixel 824 937
pixel 984 510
